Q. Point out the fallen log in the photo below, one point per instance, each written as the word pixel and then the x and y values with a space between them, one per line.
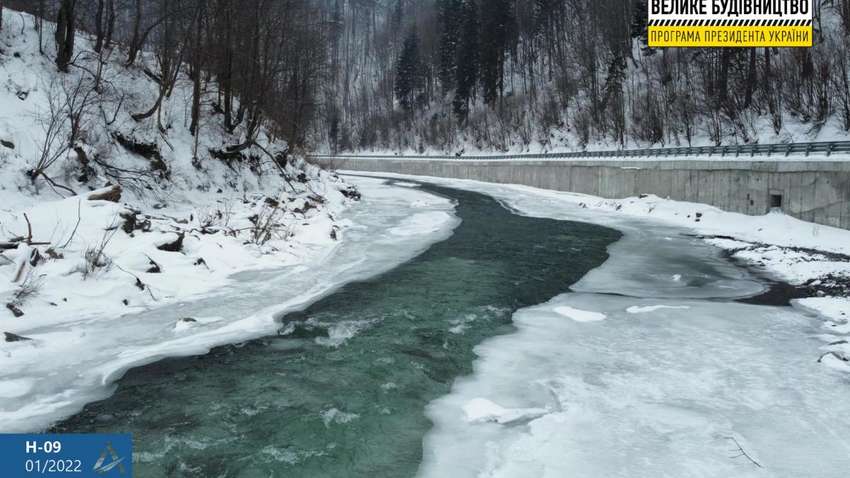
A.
pixel 8 246
pixel 112 194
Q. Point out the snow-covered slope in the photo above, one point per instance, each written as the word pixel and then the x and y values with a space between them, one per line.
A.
pixel 175 221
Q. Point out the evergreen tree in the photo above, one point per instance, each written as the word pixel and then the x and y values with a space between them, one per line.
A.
pixel 639 24
pixel 497 33
pixel 467 59
pixel 409 81
pixel 448 16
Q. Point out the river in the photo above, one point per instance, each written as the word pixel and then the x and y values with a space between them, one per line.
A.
pixel 596 375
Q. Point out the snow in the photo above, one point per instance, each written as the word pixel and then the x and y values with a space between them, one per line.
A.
pixel 659 395
pixel 105 286
pixel 481 410
pixel 209 202
pixel 836 309
pixel 419 223
pixel 74 358
pixel 678 380
pixel 786 248
pixel 654 308
pixel 579 315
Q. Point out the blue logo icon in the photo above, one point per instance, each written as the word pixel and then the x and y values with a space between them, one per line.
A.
pixel 101 467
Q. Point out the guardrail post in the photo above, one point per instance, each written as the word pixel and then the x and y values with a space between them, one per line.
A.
pixel 829 148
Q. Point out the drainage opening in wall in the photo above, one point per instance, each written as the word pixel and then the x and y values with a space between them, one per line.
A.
pixel 776 201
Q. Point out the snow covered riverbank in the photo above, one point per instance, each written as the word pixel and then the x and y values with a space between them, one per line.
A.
pixel 813 257
pixel 649 368
pixel 74 358
pixel 127 237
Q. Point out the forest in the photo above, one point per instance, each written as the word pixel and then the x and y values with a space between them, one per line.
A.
pixel 454 75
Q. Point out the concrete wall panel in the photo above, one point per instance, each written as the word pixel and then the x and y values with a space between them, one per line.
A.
pixel 816 191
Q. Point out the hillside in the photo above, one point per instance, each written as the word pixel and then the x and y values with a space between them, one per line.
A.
pixel 471 76
pixel 103 214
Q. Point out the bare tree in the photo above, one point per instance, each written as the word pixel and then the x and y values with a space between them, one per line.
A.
pixel 69 104
pixel 169 56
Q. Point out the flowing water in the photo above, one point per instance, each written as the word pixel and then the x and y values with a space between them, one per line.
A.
pixel 642 365
pixel 342 389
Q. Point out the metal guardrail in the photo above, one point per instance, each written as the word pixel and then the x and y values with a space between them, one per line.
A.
pixel 752 150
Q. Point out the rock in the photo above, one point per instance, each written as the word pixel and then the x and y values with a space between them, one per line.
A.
pixel 351 193
pixel 16 311
pixel 154 268
pixel 15 338
pixel 7 144
pixel 113 194
pixel 188 320
pixel 130 218
pixel 35 258
pixel 149 151
pixel 132 222
pixel 54 254
pixel 174 246
pixel 272 202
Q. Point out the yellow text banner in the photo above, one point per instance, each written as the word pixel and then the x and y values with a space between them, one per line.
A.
pixel 730 36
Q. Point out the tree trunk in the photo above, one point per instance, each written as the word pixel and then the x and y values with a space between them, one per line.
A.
pixel 227 75
pixel 845 16
pixel 65 33
pixel 110 23
pixel 135 41
pixel 1 15
pixel 98 26
pixel 752 76
pixel 41 26
pixel 196 70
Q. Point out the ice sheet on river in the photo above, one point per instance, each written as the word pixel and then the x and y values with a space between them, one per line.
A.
pixel 661 394
pixel 677 380
pixel 390 226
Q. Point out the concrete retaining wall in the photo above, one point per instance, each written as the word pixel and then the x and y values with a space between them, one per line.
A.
pixel 814 191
